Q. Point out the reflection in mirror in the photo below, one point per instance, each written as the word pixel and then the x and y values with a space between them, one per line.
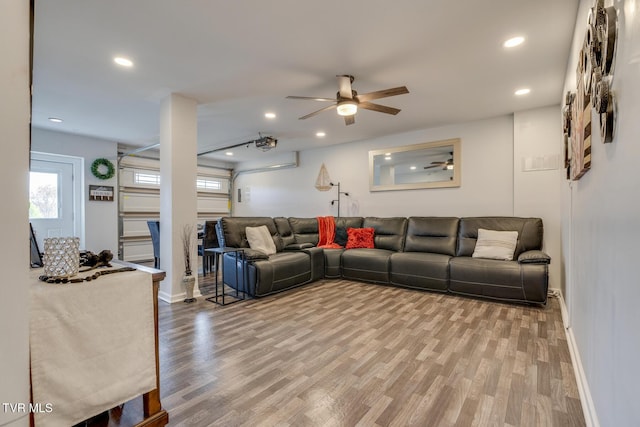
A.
pixel 427 165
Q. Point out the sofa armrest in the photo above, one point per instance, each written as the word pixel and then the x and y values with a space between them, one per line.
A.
pixel 534 257
pixel 316 256
pixel 298 246
pixel 254 255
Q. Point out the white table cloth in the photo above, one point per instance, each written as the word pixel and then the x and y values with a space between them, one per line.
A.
pixel 92 344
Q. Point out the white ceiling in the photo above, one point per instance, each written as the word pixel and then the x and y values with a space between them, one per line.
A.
pixel 240 59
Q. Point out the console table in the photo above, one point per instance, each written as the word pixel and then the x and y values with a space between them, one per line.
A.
pixel 81 332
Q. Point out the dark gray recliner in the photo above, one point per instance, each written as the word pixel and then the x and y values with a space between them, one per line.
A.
pixel 267 274
pixel 372 265
pixel 429 246
pixel 523 279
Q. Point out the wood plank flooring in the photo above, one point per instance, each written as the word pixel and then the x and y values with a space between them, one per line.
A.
pixel 342 353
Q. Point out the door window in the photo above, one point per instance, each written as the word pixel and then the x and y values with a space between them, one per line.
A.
pixel 43 195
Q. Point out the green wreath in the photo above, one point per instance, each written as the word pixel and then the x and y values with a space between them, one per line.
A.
pixel 95 169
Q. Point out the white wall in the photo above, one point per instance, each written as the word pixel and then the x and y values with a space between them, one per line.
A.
pixel 601 235
pixel 101 218
pixel 14 164
pixel 538 134
pixel 487 178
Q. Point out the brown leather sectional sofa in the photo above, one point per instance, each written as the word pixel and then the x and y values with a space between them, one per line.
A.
pixel 429 253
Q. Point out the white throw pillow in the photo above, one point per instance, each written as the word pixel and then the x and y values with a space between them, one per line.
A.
pixel 495 244
pixel 260 239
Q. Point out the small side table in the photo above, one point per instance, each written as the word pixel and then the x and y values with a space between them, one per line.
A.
pixel 238 254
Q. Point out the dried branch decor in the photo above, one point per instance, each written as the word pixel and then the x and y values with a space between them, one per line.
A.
pixel 187 237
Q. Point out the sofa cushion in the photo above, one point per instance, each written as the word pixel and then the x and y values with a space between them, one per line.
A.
pixel 332 268
pixel 389 232
pixel 369 265
pixel 284 230
pixel 505 280
pixel 344 222
pixel 432 234
pixel 305 230
pixel 260 240
pixel 349 221
pixel 529 232
pixel 233 234
pixel 493 244
pixel 341 236
pixel 420 270
pixel 360 238
pixel 281 271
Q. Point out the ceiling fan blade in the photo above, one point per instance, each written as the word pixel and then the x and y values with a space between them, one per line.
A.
pixel 378 107
pixel 344 82
pixel 313 98
pixel 432 166
pixel 349 120
pixel 318 111
pixel 401 90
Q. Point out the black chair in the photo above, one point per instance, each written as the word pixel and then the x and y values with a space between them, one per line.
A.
pixel 209 240
pixel 154 228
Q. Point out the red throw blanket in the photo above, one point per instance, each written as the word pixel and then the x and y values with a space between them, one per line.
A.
pixel 327 232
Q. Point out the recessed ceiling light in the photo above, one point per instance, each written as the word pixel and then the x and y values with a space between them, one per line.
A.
pixel 123 61
pixel 513 42
pixel 270 115
pixel 387 158
pixel 55 120
pixel 229 153
pixel 321 134
pixel 523 91
pixel 412 168
pixel 387 154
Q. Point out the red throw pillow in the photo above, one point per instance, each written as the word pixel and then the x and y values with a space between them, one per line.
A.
pixel 359 238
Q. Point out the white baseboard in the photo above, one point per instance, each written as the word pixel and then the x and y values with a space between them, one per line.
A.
pixel 171 299
pixel 588 408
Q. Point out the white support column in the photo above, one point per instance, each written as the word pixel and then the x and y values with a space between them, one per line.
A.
pixel 178 196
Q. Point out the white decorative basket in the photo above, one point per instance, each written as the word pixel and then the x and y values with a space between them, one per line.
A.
pixel 61 256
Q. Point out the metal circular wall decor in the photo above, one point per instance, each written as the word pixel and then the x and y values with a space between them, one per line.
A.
pixel 607 120
pixel 607 33
pixel 99 165
pixel 602 33
pixel 594 95
pixel 587 59
pixel 568 113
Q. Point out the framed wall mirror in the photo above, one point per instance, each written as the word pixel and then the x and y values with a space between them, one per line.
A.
pixel 427 165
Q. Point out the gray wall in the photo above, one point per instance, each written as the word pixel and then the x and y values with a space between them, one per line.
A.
pixel 487 178
pixel 601 213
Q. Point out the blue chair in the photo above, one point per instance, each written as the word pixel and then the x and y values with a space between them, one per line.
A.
pixel 209 240
pixel 154 228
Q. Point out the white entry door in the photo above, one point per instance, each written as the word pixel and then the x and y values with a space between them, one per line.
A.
pixel 54 205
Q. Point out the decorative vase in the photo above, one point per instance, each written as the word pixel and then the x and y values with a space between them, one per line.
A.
pixel 189 281
pixel 61 256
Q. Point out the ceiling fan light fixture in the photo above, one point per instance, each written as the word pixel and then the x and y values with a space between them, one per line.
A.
pixel 347 108
pixel 450 167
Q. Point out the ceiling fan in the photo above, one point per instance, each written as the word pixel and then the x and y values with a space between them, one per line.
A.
pixel 444 165
pixel 347 100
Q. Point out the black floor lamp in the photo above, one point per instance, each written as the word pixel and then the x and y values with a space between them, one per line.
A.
pixel 340 193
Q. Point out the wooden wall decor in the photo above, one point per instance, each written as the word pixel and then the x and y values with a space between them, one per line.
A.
pixel 593 94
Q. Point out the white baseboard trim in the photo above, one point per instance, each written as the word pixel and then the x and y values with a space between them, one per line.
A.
pixel 588 408
pixel 172 299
